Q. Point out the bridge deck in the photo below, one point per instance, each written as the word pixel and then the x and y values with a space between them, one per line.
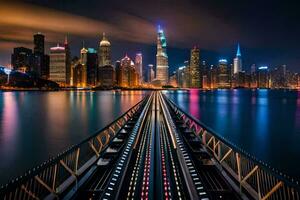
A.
pixel 154 157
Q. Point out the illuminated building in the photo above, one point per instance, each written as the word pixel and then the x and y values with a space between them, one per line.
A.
pixel 183 75
pixel 236 70
pixel 237 61
pixel 82 68
pixel 74 62
pixel 180 76
pixel 118 73
pixel 162 68
pixel 68 61
pixel 104 52
pixel 278 77
pixel 151 73
pixel 92 66
pixel 263 77
pixel 205 75
pixel 223 74
pixel 22 58
pixel 107 76
pixel 139 66
pixel 38 50
pixel 79 75
pixel 129 77
pixel 59 71
pixel 253 79
pixel 173 80
pixel 195 73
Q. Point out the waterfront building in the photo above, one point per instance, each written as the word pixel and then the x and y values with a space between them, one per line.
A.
pixel 236 69
pixel 173 80
pixel 162 67
pixel 139 66
pixel 107 76
pixel 79 75
pixel 263 77
pixel 195 73
pixel 22 59
pixel 187 74
pixel 38 51
pixel 104 52
pixel 74 62
pixel 253 74
pixel 237 61
pixel 92 66
pixel 223 80
pixel 278 77
pixel 68 61
pixel 183 75
pixel 83 67
pixel 129 77
pixel 151 73
pixel 118 73
pixel 180 76
pixel 45 67
pixel 60 72
pixel 205 75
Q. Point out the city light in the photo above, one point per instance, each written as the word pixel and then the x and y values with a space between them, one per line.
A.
pixel 263 67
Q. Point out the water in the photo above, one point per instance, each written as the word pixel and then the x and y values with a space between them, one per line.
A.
pixel 265 123
pixel 37 125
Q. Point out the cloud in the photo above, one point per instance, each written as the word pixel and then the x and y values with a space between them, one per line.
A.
pixel 22 20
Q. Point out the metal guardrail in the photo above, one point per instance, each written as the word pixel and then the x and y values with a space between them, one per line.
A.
pixel 55 176
pixel 254 177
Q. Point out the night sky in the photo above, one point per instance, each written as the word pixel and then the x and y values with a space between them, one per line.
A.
pixel 268 31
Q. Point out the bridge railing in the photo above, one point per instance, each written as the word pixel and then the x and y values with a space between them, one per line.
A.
pixel 254 177
pixel 53 177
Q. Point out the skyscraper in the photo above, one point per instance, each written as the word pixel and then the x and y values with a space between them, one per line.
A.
pixel 151 73
pixel 58 65
pixel 92 66
pixel 263 77
pixel 162 68
pixel 83 62
pixel 39 43
pixel 22 59
pixel 195 79
pixel 68 61
pixel 128 73
pixel 237 61
pixel 104 52
pixel 139 66
pixel 223 74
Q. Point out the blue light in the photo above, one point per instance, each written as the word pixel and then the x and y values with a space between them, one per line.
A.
pixel 223 61
pixel 263 67
pixel 238 52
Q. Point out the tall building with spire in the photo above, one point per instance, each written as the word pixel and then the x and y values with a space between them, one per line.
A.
pixel 162 67
pixel 104 52
pixel 237 61
pixel 195 80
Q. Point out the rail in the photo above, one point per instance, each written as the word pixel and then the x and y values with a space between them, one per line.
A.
pixel 55 176
pixel 254 177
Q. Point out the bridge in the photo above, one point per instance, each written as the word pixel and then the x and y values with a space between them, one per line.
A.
pixel 155 150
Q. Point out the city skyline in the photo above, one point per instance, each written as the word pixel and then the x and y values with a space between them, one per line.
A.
pixel 270 52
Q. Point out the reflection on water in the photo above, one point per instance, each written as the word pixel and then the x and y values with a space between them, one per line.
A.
pixel 37 125
pixel 266 123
